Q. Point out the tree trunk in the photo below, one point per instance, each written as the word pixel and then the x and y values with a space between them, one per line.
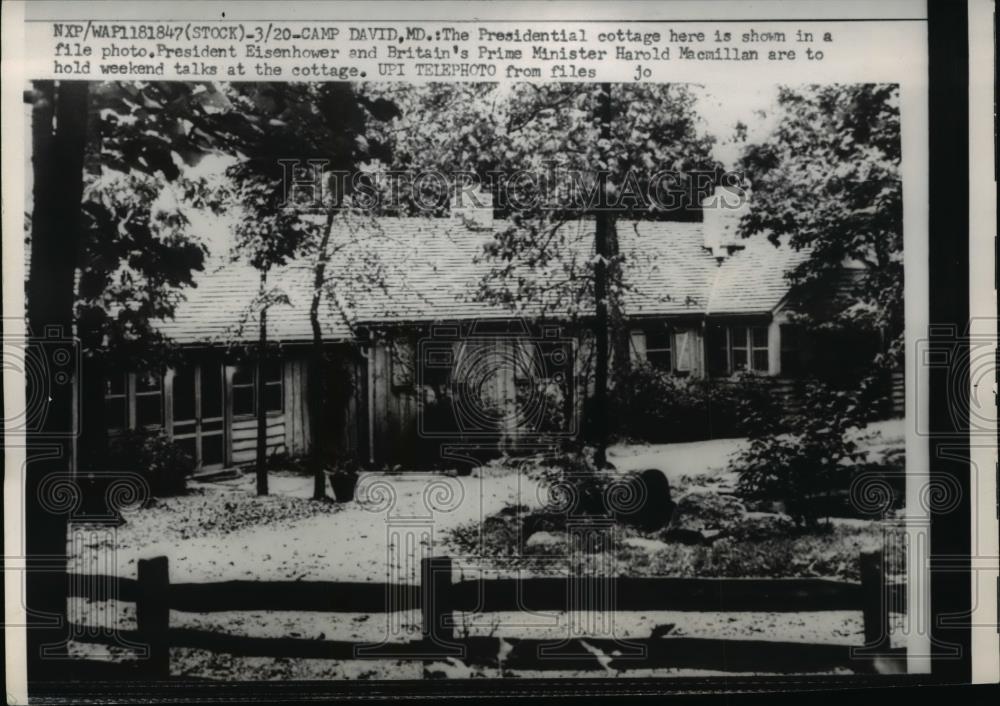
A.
pixel 621 342
pixel 316 388
pixel 57 161
pixel 260 390
pixel 93 423
pixel 93 451
pixel 602 243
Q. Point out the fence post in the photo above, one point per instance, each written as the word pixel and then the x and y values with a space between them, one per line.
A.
pixel 152 610
pixel 435 599
pixel 873 601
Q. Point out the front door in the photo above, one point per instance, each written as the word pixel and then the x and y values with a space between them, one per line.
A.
pixel 199 418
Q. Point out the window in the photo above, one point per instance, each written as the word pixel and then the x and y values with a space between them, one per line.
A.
pixel 718 349
pixel 739 347
pixel 735 348
pixel 758 349
pixel 659 347
pixel 274 399
pixel 116 402
pixel 685 351
pixel 148 399
pixel 244 396
pixel 245 389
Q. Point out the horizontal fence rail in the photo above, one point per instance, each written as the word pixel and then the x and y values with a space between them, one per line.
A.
pixel 497 595
pixel 438 598
pixel 539 654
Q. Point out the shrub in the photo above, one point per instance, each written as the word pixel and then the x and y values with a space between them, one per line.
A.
pixel 804 466
pixel 658 407
pixel 163 463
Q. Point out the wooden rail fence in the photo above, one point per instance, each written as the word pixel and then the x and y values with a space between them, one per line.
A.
pixel 438 597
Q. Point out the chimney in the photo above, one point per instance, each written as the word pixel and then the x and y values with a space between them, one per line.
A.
pixel 473 209
pixel 721 214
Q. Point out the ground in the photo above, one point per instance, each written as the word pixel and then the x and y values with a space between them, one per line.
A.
pixel 221 531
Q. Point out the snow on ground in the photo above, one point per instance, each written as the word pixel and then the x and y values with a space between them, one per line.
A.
pixel 213 535
pixel 348 543
pixel 698 457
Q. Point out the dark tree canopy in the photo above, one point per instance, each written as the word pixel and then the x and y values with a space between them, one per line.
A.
pixel 828 180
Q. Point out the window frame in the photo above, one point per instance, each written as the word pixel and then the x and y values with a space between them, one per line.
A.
pixel 132 395
pixel 668 334
pixel 740 337
pixel 278 381
pixel 124 396
pixel 159 392
pixel 252 384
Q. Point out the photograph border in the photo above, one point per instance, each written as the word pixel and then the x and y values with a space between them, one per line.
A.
pixel 949 443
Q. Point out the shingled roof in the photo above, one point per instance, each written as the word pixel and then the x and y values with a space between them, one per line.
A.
pixel 431 268
pixel 753 280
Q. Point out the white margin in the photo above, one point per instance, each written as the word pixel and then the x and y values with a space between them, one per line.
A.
pixel 16 677
pixel 985 542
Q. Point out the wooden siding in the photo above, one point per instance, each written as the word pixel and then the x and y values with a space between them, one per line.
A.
pixel 244 438
pixel 398 398
pixel 288 432
pixel 346 424
pixel 296 412
pixel 395 407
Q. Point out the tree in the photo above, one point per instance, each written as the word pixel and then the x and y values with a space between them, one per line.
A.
pixel 137 253
pixel 137 257
pixel 59 114
pixel 295 125
pixel 553 155
pixel 267 235
pixel 828 180
pixel 138 136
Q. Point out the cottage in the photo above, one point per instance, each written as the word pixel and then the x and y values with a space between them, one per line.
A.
pixel 420 369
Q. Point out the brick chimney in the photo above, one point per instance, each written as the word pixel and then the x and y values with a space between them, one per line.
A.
pixel 473 208
pixel 721 214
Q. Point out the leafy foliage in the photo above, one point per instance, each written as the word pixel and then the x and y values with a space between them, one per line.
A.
pixel 658 407
pixel 828 180
pixel 137 257
pixel 562 162
pixel 801 456
pixel 163 463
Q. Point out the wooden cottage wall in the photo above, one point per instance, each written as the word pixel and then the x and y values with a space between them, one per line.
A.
pixel 347 426
pixel 394 410
pixel 289 431
pixel 397 407
pixel 295 375
pixel 243 430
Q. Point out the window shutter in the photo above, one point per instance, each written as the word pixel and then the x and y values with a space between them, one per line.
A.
pixel 684 341
pixel 638 347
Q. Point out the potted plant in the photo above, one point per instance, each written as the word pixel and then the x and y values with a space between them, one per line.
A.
pixel 343 481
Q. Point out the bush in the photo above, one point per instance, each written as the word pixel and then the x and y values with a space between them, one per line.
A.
pixel 658 407
pixel 805 466
pixel 163 463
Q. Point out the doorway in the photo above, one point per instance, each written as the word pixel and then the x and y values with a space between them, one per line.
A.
pixel 199 412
